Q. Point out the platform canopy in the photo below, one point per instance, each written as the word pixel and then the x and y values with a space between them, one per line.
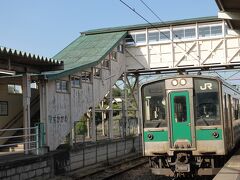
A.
pixel 17 62
pixel 230 10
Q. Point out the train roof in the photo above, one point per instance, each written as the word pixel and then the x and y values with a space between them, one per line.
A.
pixel 220 80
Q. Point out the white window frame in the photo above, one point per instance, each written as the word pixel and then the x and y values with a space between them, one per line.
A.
pixel 74 79
pixel 15 89
pixel 86 77
pixel 97 72
pixel 133 34
pixel 154 42
pixel 184 28
pixel 210 25
pixel 62 88
pixel 120 48
pixel 113 55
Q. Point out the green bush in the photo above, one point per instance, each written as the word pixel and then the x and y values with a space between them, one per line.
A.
pixel 81 127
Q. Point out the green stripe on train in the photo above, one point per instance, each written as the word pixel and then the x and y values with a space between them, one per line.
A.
pixel 157 136
pixel 207 134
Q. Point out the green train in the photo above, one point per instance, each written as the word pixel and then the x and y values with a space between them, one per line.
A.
pixel 190 124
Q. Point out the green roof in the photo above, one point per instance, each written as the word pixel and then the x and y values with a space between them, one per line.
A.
pixel 85 52
pixel 152 25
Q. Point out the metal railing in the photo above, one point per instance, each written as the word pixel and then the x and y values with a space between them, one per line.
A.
pixel 22 142
pixel 120 129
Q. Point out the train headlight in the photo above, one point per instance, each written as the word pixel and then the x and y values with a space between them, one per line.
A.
pixel 174 82
pixel 150 136
pixel 215 134
pixel 183 82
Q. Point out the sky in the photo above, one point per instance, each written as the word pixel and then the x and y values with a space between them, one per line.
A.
pixel 45 27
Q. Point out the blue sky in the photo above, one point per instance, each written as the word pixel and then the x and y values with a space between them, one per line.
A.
pixel 45 27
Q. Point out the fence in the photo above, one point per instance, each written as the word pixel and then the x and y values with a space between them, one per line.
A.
pixel 14 140
pixel 120 128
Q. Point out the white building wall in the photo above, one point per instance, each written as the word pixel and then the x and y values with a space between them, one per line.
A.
pixel 58 117
pixel 14 104
pixel 212 50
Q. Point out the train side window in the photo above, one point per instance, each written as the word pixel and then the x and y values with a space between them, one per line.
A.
pixel 235 108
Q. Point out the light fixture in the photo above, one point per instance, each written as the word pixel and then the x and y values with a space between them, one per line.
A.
pixel 174 82
pixel 183 82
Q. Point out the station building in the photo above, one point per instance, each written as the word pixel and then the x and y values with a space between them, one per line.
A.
pixel 97 59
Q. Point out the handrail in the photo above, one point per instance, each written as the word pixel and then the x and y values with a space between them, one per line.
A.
pixel 18 116
pixel 30 141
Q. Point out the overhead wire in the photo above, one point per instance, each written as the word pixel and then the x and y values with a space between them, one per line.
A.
pixel 171 39
pixel 156 27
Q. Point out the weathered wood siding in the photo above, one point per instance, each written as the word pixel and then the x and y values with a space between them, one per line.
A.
pixel 65 108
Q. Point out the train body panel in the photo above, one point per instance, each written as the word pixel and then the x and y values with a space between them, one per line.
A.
pixel 189 123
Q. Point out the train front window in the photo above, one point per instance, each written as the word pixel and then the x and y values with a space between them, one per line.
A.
pixel 207 110
pixel 154 105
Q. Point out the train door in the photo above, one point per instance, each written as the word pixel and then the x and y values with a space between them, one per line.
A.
pixel 180 119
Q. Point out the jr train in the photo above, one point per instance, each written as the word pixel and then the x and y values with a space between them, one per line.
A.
pixel 190 124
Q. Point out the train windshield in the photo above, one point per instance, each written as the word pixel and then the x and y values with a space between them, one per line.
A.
pixel 207 111
pixel 154 105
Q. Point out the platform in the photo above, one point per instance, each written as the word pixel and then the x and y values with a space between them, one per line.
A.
pixel 231 169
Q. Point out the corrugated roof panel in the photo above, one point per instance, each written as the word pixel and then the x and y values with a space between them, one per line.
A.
pixel 30 58
pixel 86 51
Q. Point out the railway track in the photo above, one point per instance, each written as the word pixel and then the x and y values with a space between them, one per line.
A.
pixel 110 171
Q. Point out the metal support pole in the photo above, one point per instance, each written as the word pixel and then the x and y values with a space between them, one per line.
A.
pixel 110 119
pixel 26 82
pixel 44 113
pixel 71 126
pixel 103 119
pixel 94 134
pixel 138 106
pixel 37 138
pixel 124 106
pixel 88 127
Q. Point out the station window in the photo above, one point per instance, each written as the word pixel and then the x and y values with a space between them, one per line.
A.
pixel 62 86
pixel 120 48
pixel 106 63
pixel 204 31
pixel 86 76
pixel 3 108
pixel 190 33
pixel 216 30
pixel 14 89
pixel 184 33
pixel 97 72
pixel 140 38
pixel 153 37
pixel 129 40
pixel 178 34
pixel 164 35
pixel 207 31
pixel 76 82
pixel 113 55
